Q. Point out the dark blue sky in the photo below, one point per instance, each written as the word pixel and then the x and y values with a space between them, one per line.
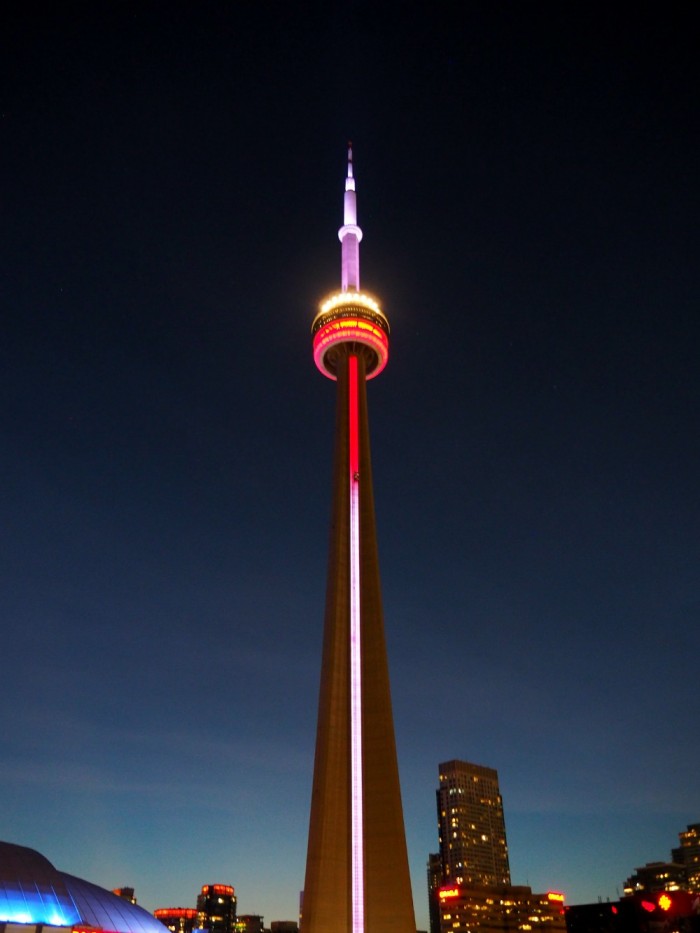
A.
pixel 171 191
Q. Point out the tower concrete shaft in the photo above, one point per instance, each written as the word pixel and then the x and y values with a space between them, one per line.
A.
pixel 357 876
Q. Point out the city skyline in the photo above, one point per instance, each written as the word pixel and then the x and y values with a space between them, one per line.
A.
pixel 170 177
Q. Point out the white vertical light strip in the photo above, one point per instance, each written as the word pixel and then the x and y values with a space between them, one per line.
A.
pixel 358 882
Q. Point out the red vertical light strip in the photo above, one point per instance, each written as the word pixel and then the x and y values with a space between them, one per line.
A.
pixel 358 893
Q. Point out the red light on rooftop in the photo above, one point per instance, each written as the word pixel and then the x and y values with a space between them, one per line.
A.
pixel 217 889
pixel 648 906
pixel 614 909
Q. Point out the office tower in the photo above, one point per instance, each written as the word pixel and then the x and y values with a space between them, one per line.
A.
pixel 357 878
pixel 216 908
pixel 472 829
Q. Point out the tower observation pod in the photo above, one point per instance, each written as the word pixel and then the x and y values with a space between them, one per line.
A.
pixel 357 876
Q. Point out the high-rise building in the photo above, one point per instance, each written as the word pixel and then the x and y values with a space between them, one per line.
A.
pixel 357 877
pixel 471 825
pixel 216 908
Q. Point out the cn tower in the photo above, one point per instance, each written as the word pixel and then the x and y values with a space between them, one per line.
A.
pixel 357 877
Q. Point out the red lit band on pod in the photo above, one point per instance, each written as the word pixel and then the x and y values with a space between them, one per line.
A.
pixel 447 893
pixel 351 330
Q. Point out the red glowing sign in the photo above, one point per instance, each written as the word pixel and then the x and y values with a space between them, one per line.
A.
pixel 648 906
pixel 189 913
pixel 446 893
pixel 555 896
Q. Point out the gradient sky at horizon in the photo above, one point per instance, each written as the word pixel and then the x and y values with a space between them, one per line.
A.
pixel 172 180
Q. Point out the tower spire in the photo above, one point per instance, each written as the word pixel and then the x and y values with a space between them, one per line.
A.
pixel 357 877
pixel 350 234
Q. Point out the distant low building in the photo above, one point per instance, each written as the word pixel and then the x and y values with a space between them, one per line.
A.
pixel 177 919
pixel 500 909
pixel 126 893
pixel 250 923
pixel 284 926
pixel 682 873
pixel 656 876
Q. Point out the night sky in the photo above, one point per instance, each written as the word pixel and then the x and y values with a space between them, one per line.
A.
pixel 172 180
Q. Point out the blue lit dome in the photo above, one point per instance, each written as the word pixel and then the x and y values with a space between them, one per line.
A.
pixel 33 892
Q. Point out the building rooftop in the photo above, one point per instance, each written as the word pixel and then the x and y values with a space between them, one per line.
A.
pixel 33 892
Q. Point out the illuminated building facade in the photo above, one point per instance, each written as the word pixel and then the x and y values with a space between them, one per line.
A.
pixel 357 877
pixel 177 919
pixel 500 909
pixel 682 873
pixel 474 892
pixel 216 908
pixel 471 825
pixel 656 876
